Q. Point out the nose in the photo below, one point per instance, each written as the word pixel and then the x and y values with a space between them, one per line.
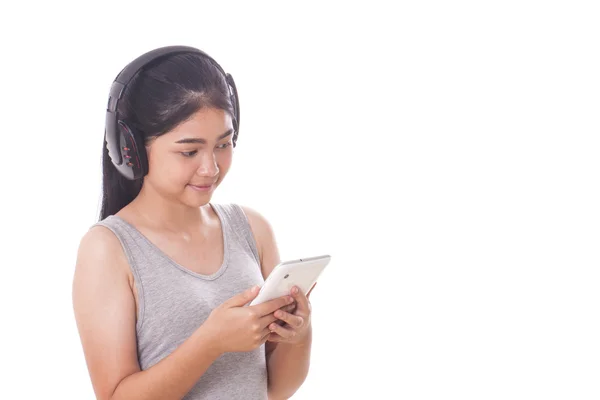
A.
pixel 208 164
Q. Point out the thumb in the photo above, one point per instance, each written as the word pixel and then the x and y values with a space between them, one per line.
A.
pixel 241 299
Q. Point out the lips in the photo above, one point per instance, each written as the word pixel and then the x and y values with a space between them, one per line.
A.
pixel 203 187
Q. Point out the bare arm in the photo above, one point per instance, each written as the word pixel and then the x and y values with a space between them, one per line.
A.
pixel 287 364
pixel 173 376
pixel 288 368
pixel 105 312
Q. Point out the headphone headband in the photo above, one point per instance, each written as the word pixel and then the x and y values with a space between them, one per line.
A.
pixel 137 167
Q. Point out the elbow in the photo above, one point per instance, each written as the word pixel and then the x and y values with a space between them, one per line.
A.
pixel 283 393
pixel 276 396
pixel 113 394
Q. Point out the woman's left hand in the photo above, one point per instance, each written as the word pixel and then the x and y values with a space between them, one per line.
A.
pixel 297 324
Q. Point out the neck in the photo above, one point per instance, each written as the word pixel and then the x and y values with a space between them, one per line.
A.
pixel 167 213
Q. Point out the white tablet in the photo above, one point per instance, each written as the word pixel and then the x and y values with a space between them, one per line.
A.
pixel 302 273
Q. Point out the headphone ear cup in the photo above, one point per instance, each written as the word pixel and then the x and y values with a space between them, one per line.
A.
pixel 133 151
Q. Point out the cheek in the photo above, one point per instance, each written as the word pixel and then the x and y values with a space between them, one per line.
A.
pixel 168 171
pixel 224 162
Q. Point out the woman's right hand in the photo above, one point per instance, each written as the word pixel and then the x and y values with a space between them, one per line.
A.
pixel 237 328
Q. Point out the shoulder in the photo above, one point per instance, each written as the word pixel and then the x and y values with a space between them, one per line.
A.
pixel 261 227
pixel 97 239
pixel 104 309
pixel 100 249
pixel 264 236
pixel 257 220
pixel 101 270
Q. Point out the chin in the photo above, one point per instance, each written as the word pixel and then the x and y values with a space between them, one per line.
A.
pixel 195 198
pixel 197 202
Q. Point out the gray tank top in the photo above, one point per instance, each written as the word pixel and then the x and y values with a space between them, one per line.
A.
pixel 174 301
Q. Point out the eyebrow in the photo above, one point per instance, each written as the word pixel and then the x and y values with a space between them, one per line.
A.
pixel 203 141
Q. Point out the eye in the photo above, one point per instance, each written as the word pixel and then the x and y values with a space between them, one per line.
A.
pixel 225 145
pixel 189 153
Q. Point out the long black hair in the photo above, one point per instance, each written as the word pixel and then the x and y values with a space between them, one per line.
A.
pixel 160 97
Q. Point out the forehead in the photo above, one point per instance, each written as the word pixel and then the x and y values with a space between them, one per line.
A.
pixel 207 123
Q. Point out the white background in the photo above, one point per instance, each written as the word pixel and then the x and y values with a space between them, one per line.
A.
pixel 444 153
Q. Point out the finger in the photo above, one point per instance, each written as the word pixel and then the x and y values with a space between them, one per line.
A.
pixel 303 307
pixel 270 306
pixel 243 298
pixel 290 309
pixel 266 320
pixel 266 334
pixel 281 331
pixel 295 321
pixel 273 337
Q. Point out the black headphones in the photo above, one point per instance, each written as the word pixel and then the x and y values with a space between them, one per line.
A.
pixel 125 147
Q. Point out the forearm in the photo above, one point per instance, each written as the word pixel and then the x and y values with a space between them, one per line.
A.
pixel 288 368
pixel 173 376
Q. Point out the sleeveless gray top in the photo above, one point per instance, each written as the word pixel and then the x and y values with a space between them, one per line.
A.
pixel 174 301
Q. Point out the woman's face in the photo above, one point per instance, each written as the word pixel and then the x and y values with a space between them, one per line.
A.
pixel 196 153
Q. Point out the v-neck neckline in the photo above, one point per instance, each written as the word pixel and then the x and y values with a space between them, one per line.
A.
pixel 213 276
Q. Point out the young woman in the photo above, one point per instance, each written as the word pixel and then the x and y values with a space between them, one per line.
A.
pixel 162 280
